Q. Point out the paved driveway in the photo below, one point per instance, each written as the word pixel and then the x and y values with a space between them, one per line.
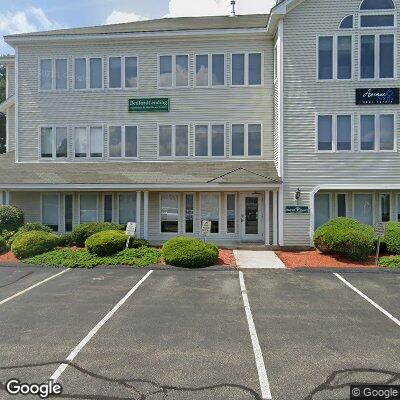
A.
pixel 205 334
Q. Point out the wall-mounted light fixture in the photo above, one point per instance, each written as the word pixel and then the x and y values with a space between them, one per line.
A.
pixel 297 194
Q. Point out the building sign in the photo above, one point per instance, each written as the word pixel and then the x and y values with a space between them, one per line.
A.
pixel 131 229
pixel 297 210
pixel 206 228
pixel 380 229
pixel 155 104
pixel 377 96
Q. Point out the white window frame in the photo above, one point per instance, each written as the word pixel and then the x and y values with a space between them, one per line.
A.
pixel 236 213
pixel 385 9
pixel 246 68
pixel 179 215
pixel 103 202
pixel 346 196
pixel 364 13
pixel 88 88
pixel 173 55
pixel 184 213
pixel 173 140
pixel 377 131
pixel 220 227
pixel 79 205
pixel 123 77
pixel 210 70
pixel 53 74
pixel 246 140
pixel 209 139
pixel 334 132
pixel 54 143
pixel 123 142
pixel 390 31
pixel 117 210
pixel 345 33
pixel 373 205
pixel 42 194
pixel 341 21
pixel 88 157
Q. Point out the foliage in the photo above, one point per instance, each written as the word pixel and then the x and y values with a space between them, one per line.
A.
pixel 135 243
pixel 392 238
pixel 8 236
pixel 65 240
pixel 29 227
pixel 81 258
pixel 11 218
pixel 188 252
pixel 82 232
pixel 3 245
pixel 347 237
pixel 29 244
pixel 390 262
pixel 106 243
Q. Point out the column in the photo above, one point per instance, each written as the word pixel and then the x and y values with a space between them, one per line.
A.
pixel 146 215
pixel 1 198
pixel 7 199
pixel 275 218
pixel 266 218
pixel 138 213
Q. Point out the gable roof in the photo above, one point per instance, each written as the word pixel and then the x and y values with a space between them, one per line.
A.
pixel 242 174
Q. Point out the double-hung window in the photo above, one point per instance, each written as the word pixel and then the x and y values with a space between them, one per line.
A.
pixel 173 71
pixel 210 140
pixel 247 69
pixel 210 70
pixel 334 132
pixel 54 142
pixel 88 142
pixel 123 141
pixel 123 72
pixel 126 208
pixel 88 73
pixel 50 211
pixel 54 74
pixel 169 212
pixel 363 208
pixel 210 210
pixel 335 57
pixel 173 140
pixel 377 132
pixel 88 208
pixel 246 140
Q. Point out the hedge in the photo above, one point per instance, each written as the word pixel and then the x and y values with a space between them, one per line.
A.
pixel 29 244
pixel 347 237
pixel 3 245
pixel 188 252
pixel 390 262
pixel 11 218
pixel 106 243
pixel 82 232
pixel 392 237
pixel 29 227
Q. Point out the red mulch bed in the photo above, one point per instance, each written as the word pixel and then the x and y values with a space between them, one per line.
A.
pixel 315 259
pixel 227 258
pixel 8 258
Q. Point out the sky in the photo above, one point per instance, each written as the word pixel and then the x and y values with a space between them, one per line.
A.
pixel 21 16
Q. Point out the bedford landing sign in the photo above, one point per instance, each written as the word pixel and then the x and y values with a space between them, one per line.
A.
pixel 156 104
pixel 369 96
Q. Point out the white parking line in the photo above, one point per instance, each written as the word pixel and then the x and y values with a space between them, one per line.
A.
pixel 377 306
pixel 32 287
pixel 262 373
pixel 89 336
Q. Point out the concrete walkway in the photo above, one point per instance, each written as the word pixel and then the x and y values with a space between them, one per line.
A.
pixel 248 259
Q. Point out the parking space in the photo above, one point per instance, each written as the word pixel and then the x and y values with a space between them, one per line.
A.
pixel 185 334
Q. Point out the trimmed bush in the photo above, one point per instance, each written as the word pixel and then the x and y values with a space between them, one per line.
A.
pixel 3 245
pixel 390 262
pixel 65 240
pixel 29 244
pixel 188 252
pixel 29 227
pixel 106 243
pixel 347 237
pixel 135 243
pixel 11 218
pixel 83 232
pixel 392 238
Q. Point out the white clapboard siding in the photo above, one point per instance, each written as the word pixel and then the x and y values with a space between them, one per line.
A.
pixel 10 76
pixel 10 126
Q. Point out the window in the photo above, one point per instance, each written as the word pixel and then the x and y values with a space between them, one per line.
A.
pixel 62 74
pixel 126 208
pixel 246 140
pixel 122 72
pixel 218 70
pixel 341 206
pixel 53 142
pixel 61 142
pixel 114 73
pixel 46 74
pixel 210 140
pixel 131 72
pixel 377 56
pixel 96 142
pixel 96 73
pixel 88 71
pixel 210 70
pixel 50 206
pixel 322 205
pixel 88 208
pixel 173 71
pixel 335 57
pixel 89 139
pixel 385 207
pixel 377 132
pixel 347 22
pixel 80 73
pixel 334 133
pixel 377 5
pixel 169 210
pixel 363 208
pixel 189 213
pixel 108 208
pixel 46 142
pixel 376 21
pixel 123 141
pixel 68 212
pixel 210 210
pixel 202 69
pixel 247 69
pixel 173 140
pixel 230 213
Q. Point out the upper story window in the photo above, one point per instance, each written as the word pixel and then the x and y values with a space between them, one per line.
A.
pixel 173 141
pixel 123 72
pixel 123 141
pixel 173 71
pixel 377 5
pixel 377 132
pixel 88 73
pixel 377 21
pixel 246 69
pixel 210 70
pixel 347 22
pixel 246 140
pixel 53 142
pixel 210 140
pixel 88 142
pixel 334 133
pixel 54 74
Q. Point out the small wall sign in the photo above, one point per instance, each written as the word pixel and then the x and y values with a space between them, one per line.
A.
pixel 377 96
pixel 297 210
pixel 154 104
pixel 206 228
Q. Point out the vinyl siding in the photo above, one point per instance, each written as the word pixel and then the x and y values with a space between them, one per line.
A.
pixel 221 105
pixel 10 126
pixel 29 203
pixel 10 76
pixel 304 97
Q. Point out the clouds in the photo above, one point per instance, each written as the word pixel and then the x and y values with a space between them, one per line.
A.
pixel 119 17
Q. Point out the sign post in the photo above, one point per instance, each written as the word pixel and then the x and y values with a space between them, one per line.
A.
pixel 380 229
pixel 206 229
pixel 130 231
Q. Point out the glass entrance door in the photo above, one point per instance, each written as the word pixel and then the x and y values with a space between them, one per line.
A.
pixel 252 217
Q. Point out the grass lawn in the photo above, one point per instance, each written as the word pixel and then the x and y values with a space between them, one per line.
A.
pixel 81 258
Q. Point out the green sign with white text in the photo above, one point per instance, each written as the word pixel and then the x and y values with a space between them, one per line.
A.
pixel 155 104
pixel 297 210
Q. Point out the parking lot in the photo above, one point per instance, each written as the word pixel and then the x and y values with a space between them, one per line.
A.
pixel 206 334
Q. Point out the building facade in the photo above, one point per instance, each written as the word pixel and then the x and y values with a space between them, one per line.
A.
pixel 266 125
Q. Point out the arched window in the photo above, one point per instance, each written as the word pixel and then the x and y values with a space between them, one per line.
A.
pixel 347 22
pixel 377 5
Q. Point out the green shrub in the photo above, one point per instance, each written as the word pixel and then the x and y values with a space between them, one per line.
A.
pixel 347 237
pixel 390 262
pixel 392 238
pixel 135 243
pixel 106 243
pixel 11 218
pixel 3 245
pixel 29 227
pixel 189 253
pixel 29 244
pixel 84 231
pixel 65 240
pixel 8 236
